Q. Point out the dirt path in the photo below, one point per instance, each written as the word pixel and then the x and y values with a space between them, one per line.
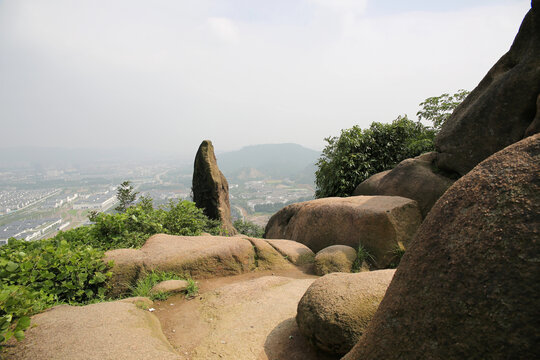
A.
pixel 249 316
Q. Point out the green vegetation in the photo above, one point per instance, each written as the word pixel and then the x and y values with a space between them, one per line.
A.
pixel 363 256
pixel 249 228
pixel 69 268
pixel 357 154
pixel 131 228
pixel 398 253
pixel 144 286
pixel 126 196
pixel 39 274
pixel 437 109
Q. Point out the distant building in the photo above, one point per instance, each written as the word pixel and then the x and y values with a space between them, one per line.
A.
pixel 95 202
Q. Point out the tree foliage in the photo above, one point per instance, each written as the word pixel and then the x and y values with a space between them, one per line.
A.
pixel 249 228
pixel 439 108
pixel 131 228
pixel 356 154
pixel 126 196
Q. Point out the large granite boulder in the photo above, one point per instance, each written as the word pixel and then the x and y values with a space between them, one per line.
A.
pixel 381 224
pixel 501 109
pixel 111 330
pixel 416 179
pixel 196 256
pixel 468 286
pixel 337 308
pixel 210 187
pixel 335 258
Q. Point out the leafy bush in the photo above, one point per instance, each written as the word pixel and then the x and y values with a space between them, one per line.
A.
pixel 57 270
pixel 36 275
pixel 357 154
pixel 16 304
pixel 249 228
pixel 131 228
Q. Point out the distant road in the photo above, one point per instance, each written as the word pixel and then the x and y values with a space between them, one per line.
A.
pixel 242 211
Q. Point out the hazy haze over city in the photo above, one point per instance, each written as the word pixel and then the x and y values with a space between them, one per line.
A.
pixel 163 75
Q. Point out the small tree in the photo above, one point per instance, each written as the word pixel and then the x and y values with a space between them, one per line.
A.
pixel 356 154
pixel 439 108
pixel 126 196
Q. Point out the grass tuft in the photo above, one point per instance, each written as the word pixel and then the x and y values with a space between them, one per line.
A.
pixel 144 285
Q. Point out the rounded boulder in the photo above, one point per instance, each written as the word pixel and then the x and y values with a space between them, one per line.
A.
pixel 337 308
pixel 335 258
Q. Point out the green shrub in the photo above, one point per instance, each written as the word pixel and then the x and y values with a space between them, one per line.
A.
pixel 184 218
pixel 58 270
pixel 16 304
pixel 249 228
pixel 36 275
pixel 357 154
pixel 133 227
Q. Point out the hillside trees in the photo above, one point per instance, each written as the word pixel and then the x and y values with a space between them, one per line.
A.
pixel 358 153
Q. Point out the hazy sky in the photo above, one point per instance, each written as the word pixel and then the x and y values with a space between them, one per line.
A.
pixel 166 74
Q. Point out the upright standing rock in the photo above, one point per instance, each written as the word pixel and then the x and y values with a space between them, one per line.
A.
pixel 210 187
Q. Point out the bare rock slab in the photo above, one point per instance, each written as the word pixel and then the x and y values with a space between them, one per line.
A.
pixel 378 223
pixel 467 287
pixel 337 308
pixel 413 179
pixel 248 320
pixel 267 257
pixel 112 331
pixel 196 256
pixel 295 252
pixel 335 258
pixel 170 286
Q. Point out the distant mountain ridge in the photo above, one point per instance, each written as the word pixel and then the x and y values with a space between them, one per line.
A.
pixel 276 161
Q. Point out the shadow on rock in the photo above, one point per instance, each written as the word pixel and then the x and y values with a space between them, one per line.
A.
pixel 286 343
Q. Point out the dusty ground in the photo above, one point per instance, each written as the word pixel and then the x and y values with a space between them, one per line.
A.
pixel 249 316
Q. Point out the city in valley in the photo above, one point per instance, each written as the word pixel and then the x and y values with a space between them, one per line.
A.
pixel 37 202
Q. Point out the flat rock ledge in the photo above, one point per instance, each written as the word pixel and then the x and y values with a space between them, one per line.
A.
pixel 115 330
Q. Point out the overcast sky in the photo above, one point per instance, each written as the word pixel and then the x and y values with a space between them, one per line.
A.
pixel 166 74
